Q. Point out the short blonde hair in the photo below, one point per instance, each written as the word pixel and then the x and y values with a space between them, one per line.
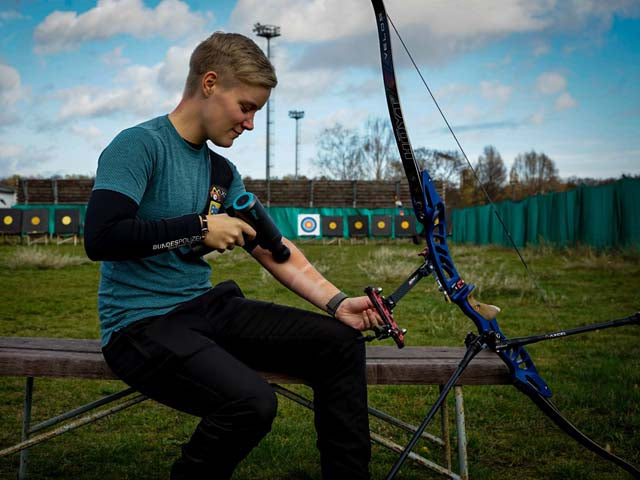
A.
pixel 233 57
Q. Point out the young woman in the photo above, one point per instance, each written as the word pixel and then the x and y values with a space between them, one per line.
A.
pixel 167 332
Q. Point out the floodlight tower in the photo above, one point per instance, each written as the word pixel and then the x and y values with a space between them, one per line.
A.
pixel 268 32
pixel 297 115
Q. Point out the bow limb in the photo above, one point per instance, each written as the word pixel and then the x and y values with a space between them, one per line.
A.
pixel 551 411
pixel 395 112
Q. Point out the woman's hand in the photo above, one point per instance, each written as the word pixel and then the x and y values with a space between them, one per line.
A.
pixel 226 232
pixel 359 313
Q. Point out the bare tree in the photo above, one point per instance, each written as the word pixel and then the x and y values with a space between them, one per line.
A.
pixel 395 170
pixel 340 154
pixel 533 173
pixel 491 173
pixel 443 166
pixel 377 143
pixel 468 190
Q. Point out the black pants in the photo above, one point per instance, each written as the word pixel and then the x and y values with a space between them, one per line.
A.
pixel 200 359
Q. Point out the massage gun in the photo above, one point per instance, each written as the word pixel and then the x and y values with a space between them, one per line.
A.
pixel 248 208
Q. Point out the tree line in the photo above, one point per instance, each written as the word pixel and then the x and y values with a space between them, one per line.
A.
pixel 350 154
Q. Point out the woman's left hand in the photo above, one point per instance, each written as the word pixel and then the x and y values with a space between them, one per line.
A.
pixel 359 313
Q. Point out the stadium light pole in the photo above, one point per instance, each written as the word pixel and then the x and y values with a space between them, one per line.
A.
pixel 268 32
pixel 297 115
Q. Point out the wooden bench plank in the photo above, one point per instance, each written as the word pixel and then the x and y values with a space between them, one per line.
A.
pixel 47 363
pixel 56 344
pixel 386 365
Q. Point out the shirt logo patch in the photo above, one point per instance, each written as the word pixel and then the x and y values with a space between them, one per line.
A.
pixel 216 196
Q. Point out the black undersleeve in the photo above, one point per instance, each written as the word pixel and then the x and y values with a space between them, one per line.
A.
pixel 113 232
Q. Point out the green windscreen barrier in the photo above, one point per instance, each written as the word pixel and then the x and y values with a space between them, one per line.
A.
pixel 286 218
pixel 628 206
pixel 52 208
pixel 606 216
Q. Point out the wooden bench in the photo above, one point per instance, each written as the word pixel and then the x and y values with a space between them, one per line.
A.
pixel 386 365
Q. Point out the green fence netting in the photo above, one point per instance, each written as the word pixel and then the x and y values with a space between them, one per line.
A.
pixel 606 216
pixel 287 217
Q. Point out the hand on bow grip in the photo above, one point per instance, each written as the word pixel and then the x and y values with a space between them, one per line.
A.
pixel 390 328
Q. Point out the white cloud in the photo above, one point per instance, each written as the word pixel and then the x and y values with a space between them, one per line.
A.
pixel 496 91
pixel 452 90
pixel 551 82
pixel 18 159
pixel 7 16
pixel 8 150
pixel 92 135
pixel 172 74
pixel 301 21
pixel 114 57
pixel 139 90
pixel 304 85
pixel 565 101
pixel 504 61
pixel 536 118
pixel 339 34
pixel 582 11
pixel 62 31
pixel 93 102
pixel 11 92
pixel 470 113
pixel 88 132
pixel 10 86
pixel 85 101
pixel 9 160
pixel 541 48
pixel 316 20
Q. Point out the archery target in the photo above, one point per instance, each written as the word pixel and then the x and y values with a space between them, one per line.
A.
pixel 11 220
pixel 381 226
pixel 358 226
pixel 405 226
pixel 308 224
pixel 35 221
pixel 67 221
pixel 332 226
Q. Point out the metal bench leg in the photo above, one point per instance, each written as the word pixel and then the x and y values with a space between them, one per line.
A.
pixel 26 424
pixel 462 435
pixel 446 436
pixel 71 425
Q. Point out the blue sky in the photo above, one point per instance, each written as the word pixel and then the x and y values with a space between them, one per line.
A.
pixel 560 77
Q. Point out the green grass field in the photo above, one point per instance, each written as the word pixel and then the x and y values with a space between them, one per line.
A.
pixel 51 292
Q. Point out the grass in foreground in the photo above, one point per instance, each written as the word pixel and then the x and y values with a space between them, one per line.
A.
pixel 595 377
